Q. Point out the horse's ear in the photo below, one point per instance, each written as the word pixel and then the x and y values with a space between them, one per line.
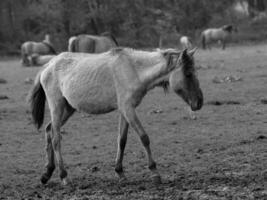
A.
pixel 171 56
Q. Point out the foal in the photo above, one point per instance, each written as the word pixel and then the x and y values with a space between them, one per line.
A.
pixel 101 83
pixel 186 42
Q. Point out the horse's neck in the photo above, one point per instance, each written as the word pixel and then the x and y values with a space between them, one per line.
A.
pixel 145 59
pixel 159 81
pixel 150 66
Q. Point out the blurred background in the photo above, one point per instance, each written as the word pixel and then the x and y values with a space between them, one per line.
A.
pixel 135 23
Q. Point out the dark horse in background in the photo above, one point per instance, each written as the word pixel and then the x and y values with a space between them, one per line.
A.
pixel 221 34
pixel 30 48
pixel 92 43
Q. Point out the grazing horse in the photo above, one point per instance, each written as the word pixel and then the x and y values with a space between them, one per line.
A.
pixel 186 42
pixel 39 60
pixel 43 48
pixel 100 83
pixel 92 43
pixel 216 35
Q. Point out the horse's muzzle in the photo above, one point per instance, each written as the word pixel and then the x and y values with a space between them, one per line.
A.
pixel 198 103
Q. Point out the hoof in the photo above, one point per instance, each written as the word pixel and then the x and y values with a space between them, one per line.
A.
pixel 156 179
pixel 65 181
pixel 193 117
pixel 44 179
pixel 122 177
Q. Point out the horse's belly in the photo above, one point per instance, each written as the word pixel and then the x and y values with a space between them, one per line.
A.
pixel 96 107
pixel 91 98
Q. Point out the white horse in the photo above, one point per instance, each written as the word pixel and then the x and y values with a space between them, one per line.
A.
pixel 42 48
pixel 100 83
pixel 186 42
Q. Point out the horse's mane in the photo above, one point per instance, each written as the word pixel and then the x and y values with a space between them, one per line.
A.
pixel 139 57
pixel 50 46
pixel 228 28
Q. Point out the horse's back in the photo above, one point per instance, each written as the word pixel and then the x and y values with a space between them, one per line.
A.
pixel 214 34
pixel 31 47
pixel 85 80
pixel 104 44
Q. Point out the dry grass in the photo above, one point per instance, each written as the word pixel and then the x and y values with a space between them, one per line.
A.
pixel 221 155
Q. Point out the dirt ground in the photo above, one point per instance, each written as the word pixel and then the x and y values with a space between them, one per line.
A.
pixel 220 155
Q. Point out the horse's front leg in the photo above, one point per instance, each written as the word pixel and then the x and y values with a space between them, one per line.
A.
pixel 131 117
pixel 122 139
pixel 223 45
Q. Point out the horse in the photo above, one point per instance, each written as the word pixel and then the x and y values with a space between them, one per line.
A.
pixel 92 43
pixel 101 83
pixel 43 48
pixel 186 42
pixel 217 35
pixel 39 60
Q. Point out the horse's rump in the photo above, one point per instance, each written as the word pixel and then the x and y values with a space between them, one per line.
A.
pixel 92 43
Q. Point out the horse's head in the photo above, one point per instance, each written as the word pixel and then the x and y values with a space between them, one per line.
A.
pixel 184 81
pixel 229 28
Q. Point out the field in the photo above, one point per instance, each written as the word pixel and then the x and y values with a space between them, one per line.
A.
pixel 220 155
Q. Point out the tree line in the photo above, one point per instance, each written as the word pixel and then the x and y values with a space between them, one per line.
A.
pixel 135 23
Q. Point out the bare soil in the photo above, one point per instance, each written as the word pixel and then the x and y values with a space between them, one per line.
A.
pixel 220 155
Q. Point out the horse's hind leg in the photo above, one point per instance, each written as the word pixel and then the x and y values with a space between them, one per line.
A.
pixel 50 166
pixel 57 104
pixel 122 139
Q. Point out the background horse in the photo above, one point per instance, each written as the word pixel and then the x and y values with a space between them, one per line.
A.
pixel 92 43
pixel 39 60
pixel 42 48
pixel 186 42
pixel 100 83
pixel 216 35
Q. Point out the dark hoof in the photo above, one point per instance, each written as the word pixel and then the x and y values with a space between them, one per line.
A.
pixel 44 179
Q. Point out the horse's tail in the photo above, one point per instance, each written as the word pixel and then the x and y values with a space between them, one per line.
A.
pixel 37 99
pixel 72 44
pixel 203 40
